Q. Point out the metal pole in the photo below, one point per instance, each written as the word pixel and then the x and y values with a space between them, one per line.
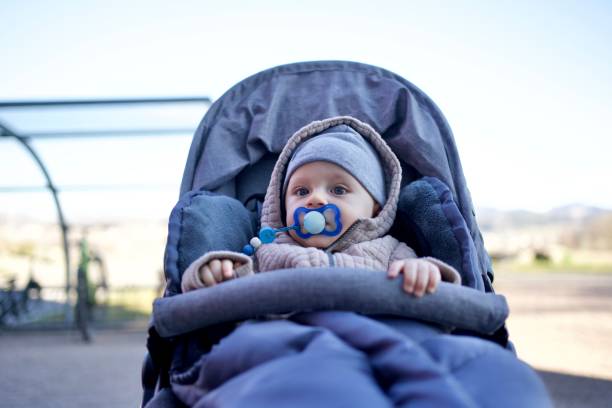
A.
pixel 4 131
pixel 84 102
pixel 24 140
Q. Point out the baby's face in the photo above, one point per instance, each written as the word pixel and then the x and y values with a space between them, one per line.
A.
pixel 316 184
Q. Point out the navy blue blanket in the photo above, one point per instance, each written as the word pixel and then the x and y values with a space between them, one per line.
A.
pixel 343 359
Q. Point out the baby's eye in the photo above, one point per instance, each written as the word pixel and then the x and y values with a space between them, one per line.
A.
pixel 339 190
pixel 302 191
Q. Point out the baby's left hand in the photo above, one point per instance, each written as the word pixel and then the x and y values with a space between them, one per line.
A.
pixel 420 275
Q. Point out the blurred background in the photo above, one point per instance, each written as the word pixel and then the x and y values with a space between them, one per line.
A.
pixel 525 86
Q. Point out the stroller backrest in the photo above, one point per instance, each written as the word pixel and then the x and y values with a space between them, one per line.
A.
pixel 236 144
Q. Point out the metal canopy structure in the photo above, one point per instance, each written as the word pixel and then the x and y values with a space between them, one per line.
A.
pixel 25 137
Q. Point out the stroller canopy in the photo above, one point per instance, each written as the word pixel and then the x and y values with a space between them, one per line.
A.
pixel 235 146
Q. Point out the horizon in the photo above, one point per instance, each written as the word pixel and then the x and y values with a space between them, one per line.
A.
pixel 50 218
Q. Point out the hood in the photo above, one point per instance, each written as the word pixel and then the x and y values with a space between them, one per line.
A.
pixel 363 230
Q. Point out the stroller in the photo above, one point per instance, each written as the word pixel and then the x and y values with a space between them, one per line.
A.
pixel 341 337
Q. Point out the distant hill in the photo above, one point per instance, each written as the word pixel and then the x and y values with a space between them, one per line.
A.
pixel 573 226
pixel 576 212
pixel 490 219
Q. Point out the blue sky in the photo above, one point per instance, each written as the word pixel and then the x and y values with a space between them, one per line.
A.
pixel 526 86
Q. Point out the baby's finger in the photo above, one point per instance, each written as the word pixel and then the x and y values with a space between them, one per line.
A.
pixel 422 279
pixel 409 270
pixel 394 269
pixel 434 278
pixel 228 269
pixel 216 273
pixel 215 268
pixel 207 277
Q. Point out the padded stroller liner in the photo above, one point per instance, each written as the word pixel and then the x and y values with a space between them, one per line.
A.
pixel 299 290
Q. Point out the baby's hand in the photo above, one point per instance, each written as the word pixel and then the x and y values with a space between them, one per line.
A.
pixel 420 275
pixel 217 271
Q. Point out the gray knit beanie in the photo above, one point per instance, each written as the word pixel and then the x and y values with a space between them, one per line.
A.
pixel 344 147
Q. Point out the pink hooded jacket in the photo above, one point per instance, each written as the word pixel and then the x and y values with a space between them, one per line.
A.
pixel 363 245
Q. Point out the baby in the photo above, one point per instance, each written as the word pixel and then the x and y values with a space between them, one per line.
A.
pixel 342 164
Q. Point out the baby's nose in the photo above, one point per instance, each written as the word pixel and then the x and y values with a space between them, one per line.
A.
pixel 317 199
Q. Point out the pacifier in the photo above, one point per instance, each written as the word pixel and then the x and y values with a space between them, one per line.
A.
pixel 306 223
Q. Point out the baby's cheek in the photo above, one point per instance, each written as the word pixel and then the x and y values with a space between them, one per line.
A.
pixel 348 219
pixel 289 217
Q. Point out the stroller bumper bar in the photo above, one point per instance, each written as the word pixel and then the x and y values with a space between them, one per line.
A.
pixel 300 290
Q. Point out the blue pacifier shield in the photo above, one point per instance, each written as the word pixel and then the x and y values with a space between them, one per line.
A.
pixel 314 221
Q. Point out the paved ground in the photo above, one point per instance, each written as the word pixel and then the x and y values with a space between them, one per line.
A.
pixel 561 324
pixel 55 369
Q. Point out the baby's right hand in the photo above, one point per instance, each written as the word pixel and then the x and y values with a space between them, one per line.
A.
pixel 217 271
